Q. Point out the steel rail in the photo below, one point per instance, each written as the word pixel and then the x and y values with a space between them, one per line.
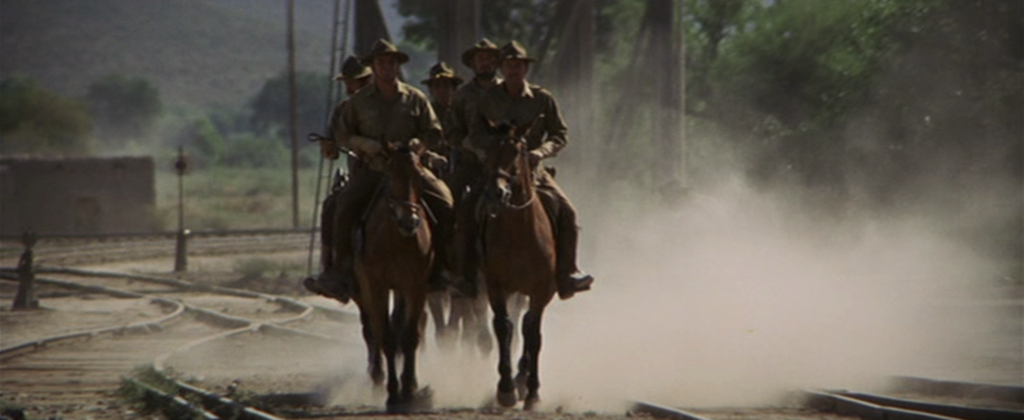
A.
pixel 224 406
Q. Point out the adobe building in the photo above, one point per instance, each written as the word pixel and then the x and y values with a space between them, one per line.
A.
pixel 60 196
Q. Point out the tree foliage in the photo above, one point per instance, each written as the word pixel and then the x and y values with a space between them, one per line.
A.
pixel 858 98
pixel 270 107
pixel 36 121
pixel 124 108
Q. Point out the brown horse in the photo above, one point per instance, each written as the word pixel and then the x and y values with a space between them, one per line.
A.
pixel 519 257
pixel 396 258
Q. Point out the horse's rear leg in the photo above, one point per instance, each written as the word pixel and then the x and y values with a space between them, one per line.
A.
pixel 503 332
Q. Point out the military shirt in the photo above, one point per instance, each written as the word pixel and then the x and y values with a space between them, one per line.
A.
pixel 444 115
pixel 464 107
pixel 334 125
pixel 368 117
pixel 535 106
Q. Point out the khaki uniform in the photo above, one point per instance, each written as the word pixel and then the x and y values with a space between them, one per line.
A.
pixel 536 108
pixel 467 165
pixel 369 118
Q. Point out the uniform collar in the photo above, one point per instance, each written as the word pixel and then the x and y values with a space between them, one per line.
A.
pixel 527 91
pixel 403 88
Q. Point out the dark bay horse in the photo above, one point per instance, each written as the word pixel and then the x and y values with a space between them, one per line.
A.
pixel 396 258
pixel 519 257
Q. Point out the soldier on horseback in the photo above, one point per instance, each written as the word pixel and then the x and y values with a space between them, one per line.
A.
pixel 355 76
pixel 441 83
pixel 515 101
pixel 483 58
pixel 386 110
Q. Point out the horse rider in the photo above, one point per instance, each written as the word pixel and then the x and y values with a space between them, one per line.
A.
pixel 483 58
pixel 516 100
pixel 441 84
pixel 355 76
pixel 386 110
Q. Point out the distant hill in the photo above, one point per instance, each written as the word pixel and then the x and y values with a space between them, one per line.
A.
pixel 199 53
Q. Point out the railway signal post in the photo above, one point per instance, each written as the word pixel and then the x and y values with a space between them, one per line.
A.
pixel 181 252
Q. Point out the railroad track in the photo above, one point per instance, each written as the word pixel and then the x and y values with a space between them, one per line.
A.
pixel 56 371
pixel 242 354
pixel 70 251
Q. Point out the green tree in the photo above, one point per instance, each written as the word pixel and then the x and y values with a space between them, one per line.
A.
pixel 203 140
pixel 36 121
pixel 270 107
pixel 123 108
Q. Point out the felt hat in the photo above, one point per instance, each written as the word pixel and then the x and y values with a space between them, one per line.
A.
pixel 383 47
pixel 514 51
pixel 442 71
pixel 352 69
pixel 483 44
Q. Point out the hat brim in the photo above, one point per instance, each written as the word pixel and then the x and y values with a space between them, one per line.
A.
pixel 365 73
pixel 458 80
pixel 526 59
pixel 401 56
pixel 467 56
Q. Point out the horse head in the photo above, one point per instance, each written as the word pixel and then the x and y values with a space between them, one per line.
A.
pixel 404 178
pixel 508 175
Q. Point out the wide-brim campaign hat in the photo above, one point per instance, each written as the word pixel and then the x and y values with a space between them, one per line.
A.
pixel 352 69
pixel 483 44
pixel 383 47
pixel 514 51
pixel 442 71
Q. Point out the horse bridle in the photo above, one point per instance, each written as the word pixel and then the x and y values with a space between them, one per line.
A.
pixel 512 179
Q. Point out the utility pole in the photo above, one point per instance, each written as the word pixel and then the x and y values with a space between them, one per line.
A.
pixel 293 114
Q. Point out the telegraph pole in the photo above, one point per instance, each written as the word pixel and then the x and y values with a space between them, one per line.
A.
pixel 293 115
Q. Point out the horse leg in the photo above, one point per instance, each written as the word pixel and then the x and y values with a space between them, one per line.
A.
pixel 442 332
pixel 409 339
pixel 531 353
pixel 503 332
pixel 373 350
pixel 483 334
pixel 382 332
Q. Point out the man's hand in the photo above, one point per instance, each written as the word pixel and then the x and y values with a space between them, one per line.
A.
pixel 366 146
pixel 371 148
pixel 535 157
pixel 329 149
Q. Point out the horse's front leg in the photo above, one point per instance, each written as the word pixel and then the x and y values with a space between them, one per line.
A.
pixel 410 340
pixel 530 361
pixel 503 332
pixel 374 365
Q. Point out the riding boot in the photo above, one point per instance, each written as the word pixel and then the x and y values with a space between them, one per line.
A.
pixel 338 279
pixel 441 226
pixel 569 278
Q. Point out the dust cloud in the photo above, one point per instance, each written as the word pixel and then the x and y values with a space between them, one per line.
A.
pixel 737 298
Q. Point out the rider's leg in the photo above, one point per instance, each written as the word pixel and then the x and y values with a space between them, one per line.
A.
pixel 569 278
pixel 338 280
pixel 467 252
pixel 327 231
pixel 439 199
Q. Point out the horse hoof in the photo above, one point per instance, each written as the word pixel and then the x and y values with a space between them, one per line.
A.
pixel 507 399
pixel 423 399
pixel 521 389
pixel 531 403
